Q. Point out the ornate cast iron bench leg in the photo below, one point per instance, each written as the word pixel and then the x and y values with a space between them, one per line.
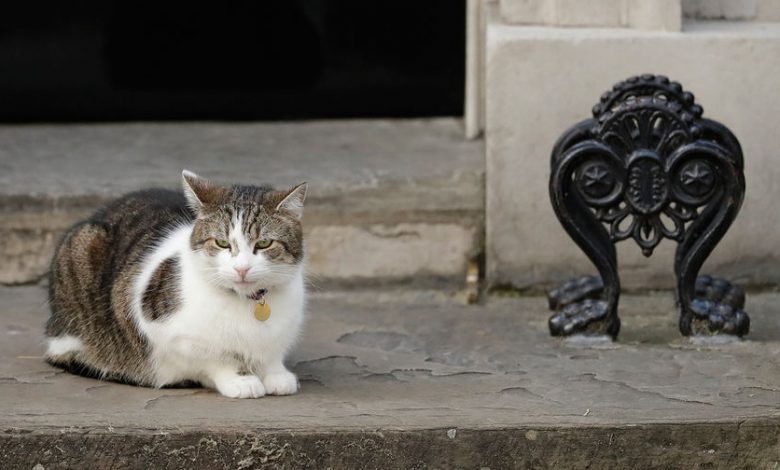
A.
pixel 647 166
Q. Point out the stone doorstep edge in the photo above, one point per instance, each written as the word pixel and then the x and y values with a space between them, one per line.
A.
pixel 728 444
pixel 41 219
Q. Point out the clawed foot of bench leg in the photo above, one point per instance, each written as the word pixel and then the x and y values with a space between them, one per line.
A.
pixel 581 310
pixel 575 290
pixel 588 317
pixel 716 309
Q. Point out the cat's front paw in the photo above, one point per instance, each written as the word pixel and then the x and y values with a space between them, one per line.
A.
pixel 243 386
pixel 281 383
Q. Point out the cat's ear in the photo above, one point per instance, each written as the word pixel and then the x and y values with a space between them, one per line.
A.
pixel 199 191
pixel 293 201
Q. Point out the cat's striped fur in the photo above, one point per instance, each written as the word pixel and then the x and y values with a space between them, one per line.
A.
pixel 141 292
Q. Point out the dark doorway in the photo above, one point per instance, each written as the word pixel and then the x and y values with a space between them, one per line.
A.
pixel 94 60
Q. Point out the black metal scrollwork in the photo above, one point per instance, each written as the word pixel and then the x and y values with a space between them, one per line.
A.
pixel 647 166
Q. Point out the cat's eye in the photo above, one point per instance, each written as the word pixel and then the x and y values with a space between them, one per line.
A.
pixel 222 243
pixel 263 243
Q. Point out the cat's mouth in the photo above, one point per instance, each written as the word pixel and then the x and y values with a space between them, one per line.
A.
pixel 243 287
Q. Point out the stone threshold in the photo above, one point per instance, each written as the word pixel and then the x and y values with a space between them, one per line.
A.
pixel 391 201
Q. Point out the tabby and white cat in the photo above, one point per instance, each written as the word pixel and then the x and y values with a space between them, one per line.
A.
pixel 160 288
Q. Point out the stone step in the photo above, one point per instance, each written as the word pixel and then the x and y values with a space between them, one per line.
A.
pixel 412 379
pixel 389 200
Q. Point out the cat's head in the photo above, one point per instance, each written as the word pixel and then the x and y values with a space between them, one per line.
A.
pixel 247 237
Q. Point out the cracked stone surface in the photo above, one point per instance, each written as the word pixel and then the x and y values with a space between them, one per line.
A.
pixel 402 361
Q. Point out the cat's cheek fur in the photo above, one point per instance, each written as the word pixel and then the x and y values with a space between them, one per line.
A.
pixel 213 336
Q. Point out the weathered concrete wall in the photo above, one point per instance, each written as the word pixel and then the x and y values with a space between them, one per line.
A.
pixel 642 14
pixel 539 81
pixel 663 15
pixel 743 10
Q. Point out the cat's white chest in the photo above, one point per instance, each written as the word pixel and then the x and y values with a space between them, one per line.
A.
pixel 211 328
pixel 227 323
pixel 213 325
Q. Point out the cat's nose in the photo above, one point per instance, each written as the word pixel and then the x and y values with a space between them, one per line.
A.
pixel 241 271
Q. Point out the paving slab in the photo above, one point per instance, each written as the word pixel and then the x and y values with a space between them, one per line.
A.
pixel 403 378
pixel 373 185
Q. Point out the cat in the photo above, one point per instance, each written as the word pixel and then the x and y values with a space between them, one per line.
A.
pixel 161 288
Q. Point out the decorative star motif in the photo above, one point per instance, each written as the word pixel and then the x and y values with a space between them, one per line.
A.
pixel 597 179
pixel 698 178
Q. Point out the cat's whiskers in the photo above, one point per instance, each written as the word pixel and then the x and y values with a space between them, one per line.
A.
pixel 311 278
